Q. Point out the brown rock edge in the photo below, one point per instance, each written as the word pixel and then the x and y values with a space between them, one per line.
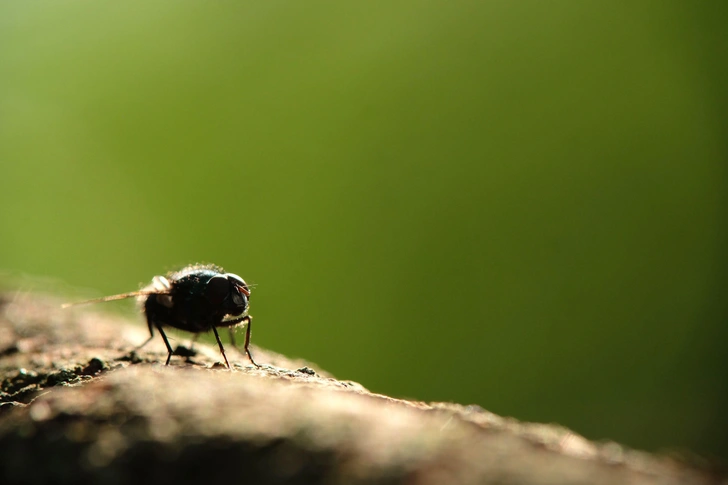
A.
pixel 76 407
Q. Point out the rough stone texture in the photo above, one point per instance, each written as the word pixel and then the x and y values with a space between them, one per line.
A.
pixel 76 407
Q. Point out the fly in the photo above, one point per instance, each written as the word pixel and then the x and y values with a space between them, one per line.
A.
pixel 198 298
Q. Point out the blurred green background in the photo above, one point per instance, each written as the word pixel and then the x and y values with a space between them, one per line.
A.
pixel 522 205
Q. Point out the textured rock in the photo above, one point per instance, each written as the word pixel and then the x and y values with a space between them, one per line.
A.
pixel 77 407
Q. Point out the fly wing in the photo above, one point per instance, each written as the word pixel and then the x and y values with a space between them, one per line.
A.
pixel 159 286
pixel 121 296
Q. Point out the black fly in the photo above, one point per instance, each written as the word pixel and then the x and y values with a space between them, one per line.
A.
pixel 198 298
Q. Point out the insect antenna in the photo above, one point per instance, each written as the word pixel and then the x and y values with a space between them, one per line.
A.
pixel 120 296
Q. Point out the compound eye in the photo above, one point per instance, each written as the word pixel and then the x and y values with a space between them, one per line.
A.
pixel 217 289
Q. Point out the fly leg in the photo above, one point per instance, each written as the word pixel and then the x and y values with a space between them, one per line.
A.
pixel 247 319
pixel 152 324
pixel 222 350
pixel 166 342
pixel 151 336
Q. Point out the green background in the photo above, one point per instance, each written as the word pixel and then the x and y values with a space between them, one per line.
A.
pixel 517 204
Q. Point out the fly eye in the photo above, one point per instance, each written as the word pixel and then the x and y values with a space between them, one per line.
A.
pixel 239 298
pixel 217 289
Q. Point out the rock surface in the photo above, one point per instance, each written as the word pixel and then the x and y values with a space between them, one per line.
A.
pixel 77 407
